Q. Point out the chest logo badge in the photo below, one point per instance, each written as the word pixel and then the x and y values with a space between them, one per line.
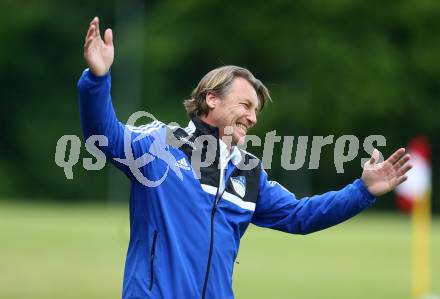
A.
pixel 239 184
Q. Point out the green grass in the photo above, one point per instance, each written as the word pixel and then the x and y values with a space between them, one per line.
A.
pixel 78 251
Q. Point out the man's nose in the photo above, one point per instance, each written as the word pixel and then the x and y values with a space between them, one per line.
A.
pixel 252 117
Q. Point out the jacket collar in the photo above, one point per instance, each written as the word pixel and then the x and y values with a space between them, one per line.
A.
pixel 202 128
pixel 197 127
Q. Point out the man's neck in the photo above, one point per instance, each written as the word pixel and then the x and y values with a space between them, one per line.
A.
pixel 225 142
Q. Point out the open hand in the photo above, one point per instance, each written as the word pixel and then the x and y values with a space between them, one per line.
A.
pixel 98 53
pixel 381 178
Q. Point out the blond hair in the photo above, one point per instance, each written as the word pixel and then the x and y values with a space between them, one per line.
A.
pixel 218 82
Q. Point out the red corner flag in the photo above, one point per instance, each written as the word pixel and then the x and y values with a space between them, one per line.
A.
pixel 414 195
pixel 418 183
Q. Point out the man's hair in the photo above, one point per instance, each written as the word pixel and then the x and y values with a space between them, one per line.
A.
pixel 218 82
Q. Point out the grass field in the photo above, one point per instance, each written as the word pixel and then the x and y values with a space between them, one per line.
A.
pixel 77 251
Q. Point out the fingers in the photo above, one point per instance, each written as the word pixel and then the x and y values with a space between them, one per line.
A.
pixel 402 161
pixel 93 33
pixel 108 37
pixel 401 179
pixel 401 172
pixel 96 20
pixel 90 32
pixel 375 155
pixel 396 156
pixel 404 169
pixel 88 42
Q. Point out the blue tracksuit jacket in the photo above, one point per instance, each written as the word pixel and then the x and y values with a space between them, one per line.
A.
pixel 184 234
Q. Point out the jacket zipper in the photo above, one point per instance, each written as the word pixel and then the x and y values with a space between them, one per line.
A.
pixel 152 253
pixel 211 243
pixel 213 211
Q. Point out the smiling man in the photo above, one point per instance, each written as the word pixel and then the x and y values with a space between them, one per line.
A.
pixel 185 232
pixel 228 96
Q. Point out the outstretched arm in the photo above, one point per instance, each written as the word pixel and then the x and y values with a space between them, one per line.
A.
pixel 279 209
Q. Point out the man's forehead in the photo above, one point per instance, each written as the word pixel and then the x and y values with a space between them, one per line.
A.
pixel 243 89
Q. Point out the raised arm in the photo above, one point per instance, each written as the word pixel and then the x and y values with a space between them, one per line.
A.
pixel 96 109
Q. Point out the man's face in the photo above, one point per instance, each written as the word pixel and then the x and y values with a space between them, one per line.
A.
pixel 237 109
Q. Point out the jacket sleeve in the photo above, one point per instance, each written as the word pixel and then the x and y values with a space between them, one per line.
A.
pixel 279 209
pixel 98 117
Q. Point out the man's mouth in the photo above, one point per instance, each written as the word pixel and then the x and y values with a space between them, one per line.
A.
pixel 242 127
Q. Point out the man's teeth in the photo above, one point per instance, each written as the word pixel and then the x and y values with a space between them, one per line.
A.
pixel 243 127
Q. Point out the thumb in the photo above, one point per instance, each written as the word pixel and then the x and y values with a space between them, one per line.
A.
pixel 108 37
pixel 374 156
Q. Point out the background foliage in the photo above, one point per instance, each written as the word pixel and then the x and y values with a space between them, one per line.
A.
pixel 333 67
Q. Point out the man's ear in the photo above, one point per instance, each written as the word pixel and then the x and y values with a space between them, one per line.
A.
pixel 211 100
